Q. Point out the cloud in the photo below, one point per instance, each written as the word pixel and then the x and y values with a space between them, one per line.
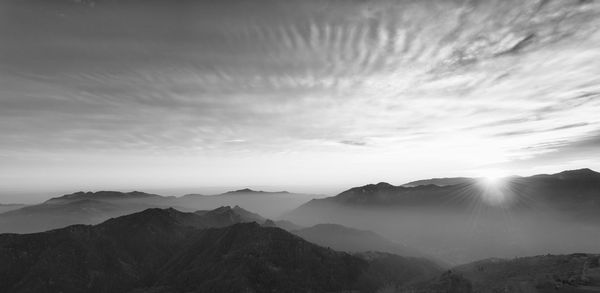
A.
pixel 353 142
pixel 198 78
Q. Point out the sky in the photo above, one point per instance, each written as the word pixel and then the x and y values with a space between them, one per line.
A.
pixel 304 95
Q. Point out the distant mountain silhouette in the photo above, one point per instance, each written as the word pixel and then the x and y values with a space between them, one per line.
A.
pixel 576 273
pixel 439 181
pixel 473 219
pixel 270 204
pixel 78 208
pixel 103 195
pixel 563 190
pixel 250 191
pixel 95 207
pixel 41 217
pixel 164 250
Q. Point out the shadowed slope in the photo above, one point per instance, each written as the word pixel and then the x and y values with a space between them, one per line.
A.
pixel 164 250
pixel 576 187
pixel 348 239
pixel 574 273
pixel 513 216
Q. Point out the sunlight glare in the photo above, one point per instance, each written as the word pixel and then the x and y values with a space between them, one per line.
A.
pixel 492 183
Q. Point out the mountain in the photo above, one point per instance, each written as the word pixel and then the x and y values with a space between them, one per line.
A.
pixel 104 196
pixel 244 191
pixel 439 181
pixel 247 191
pixel 579 187
pixel 164 250
pixel 41 217
pixel 270 204
pixel 78 208
pixel 112 256
pixel 226 216
pixel 577 273
pixel 95 207
pixel 513 216
pixel 343 238
pixel 283 224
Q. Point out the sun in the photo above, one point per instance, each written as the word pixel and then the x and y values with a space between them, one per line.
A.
pixel 492 177
pixel 492 187
pixel 491 180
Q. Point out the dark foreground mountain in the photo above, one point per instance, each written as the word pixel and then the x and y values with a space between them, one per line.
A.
pixel 473 219
pixel 574 273
pixel 164 250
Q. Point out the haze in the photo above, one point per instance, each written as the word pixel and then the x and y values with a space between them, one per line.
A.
pixel 316 96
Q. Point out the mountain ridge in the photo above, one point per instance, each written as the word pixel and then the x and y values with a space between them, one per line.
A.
pixel 383 192
pixel 165 250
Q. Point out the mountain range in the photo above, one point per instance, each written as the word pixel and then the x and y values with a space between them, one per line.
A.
pixel 77 208
pixel 572 273
pixel 473 218
pixel 165 250
pixel 95 207
pixel 564 190
pixel 454 221
pixel 349 239
pixel 225 250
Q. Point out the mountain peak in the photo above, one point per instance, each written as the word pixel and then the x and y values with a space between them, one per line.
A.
pixel 104 194
pixel 157 217
pixel 226 215
pixel 245 190
pixel 251 191
pixel 383 185
pixel 579 173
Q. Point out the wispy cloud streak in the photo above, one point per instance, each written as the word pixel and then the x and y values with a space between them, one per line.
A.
pixel 305 76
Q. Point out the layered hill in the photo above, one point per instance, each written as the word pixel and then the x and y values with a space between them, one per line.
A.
pixel 474 218
pixel 348 239
pixel 105 196
pixel 164 250
pixel 270 204
pixel 564 190
pixel 95 207
pixel 248 191
pixel 439 181
pixel 78 208
pixel 573 273
pixel 226 216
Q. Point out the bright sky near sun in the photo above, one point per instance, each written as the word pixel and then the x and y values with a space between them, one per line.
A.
pixel 300 95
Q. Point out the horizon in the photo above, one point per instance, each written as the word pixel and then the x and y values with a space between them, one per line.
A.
pixel 361 146
pixel 312 96
pixel 316 192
